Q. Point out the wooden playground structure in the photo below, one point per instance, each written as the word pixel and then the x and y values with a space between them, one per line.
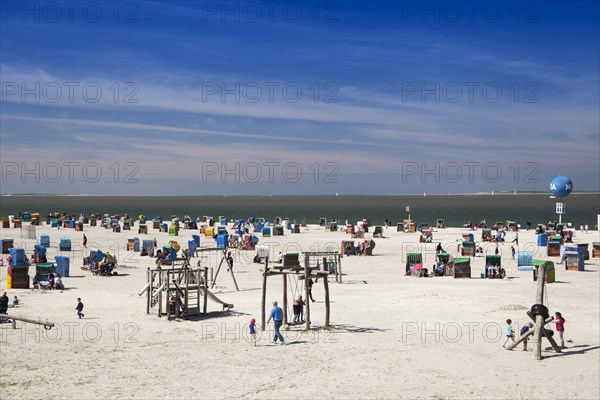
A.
pixel 181 291
pixel 540 316
pixel 293 269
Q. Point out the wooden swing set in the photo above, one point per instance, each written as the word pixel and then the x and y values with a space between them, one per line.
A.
pixel 297 272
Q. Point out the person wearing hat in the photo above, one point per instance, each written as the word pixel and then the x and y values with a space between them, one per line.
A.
pixel 252 327
pixel 526 328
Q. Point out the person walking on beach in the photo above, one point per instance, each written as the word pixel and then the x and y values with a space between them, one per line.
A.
pixel 276 315
pixel 512 250
pixel 229 262
pixel 497 250
pixel 84 241
pixel 510 333
pixel 79 308
pixel 439 248
pixel 560 327
pixel 252 327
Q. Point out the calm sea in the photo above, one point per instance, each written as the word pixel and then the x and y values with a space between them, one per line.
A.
pixel 455 210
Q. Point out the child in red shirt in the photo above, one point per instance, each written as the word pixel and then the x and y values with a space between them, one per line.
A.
pixel 560 327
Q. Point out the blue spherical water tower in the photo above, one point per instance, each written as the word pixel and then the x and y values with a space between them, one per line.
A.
pixel 561 186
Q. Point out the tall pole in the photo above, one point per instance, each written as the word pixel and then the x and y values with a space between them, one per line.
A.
pixel 285 299
pixel 539 320
pixel 306 296
pixel 264 295
pixel 327 306
pixel 560 215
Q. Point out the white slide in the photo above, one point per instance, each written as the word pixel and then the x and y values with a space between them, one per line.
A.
pixel 215 299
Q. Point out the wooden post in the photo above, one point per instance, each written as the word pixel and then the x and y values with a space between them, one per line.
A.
pixel 186 292
pixel 340 266
pixel 326 287
pixel 285 299
pixel 264 295
pixel 199 277
pixel 160 279
pixel 150 290
pixel 306 296
pixel 234 281
pixel 205 290
pixel 218 269
pixel 539 320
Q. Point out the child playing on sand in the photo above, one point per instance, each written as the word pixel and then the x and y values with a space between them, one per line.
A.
pixel 560 327
pixel 79 308
pixel 252 327
pixel 296 310
pixel 526 328
pixel 300 309
pixel 510 333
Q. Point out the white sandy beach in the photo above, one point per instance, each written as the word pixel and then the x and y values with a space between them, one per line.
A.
pixel 393 336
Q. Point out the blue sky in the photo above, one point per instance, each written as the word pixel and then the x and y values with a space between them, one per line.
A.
pixel 298 97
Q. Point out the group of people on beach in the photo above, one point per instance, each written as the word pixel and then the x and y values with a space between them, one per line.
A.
pixel 558 320
pixel 54 282
pixel 276 314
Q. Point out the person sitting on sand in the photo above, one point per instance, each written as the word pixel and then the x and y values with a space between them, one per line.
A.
pixel 15 301
pixel 36 281
pixel 439 269
pixel 58 283
pixel 491 270
pixel 501 272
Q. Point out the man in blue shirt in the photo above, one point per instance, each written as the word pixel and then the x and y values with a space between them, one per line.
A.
pixel 277 315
